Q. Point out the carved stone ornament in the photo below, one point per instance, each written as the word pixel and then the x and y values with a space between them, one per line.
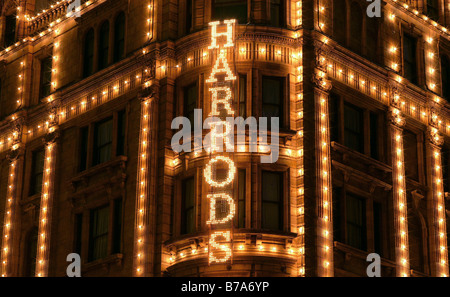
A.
pixel 321 82
pixel 435 137
pixel 395 97
pixel 434 118
pixel 396 117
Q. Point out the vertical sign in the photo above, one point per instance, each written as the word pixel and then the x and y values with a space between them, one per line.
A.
pixel 220 171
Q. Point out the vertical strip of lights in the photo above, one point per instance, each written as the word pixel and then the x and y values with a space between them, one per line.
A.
pixel 10 202
pixel 221 95
pixel 298 13
pixel 324 179
pixel 439 205
pixel 399 195
pixel 20 89
pixel 43 247
pixel 142 201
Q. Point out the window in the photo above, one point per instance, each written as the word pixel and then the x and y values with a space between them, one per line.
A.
pixel 371 46
pixel 31 252
pixel 189 11
pixel 242 96
pixel 230 9
pixel 276 13
pixel 353 128
pixel 356 25
pixel 98 234
pixel 272 98
pixel 103 46
pixel 241 198
pixel 103 141
pixel 10 30
pixel 340 21
pixel 356 221
pixel 410 58
pixel 88 62
pixel 378 227
pixel 37 172
pixel 99 142
pixel 445 159
pixel 272 200
pixel 119 37
pixel 410 148
pixel 445 72
pixel 190 102
pixel 45 78
pixel 415 237
pixel 188 206
pixel 104 236
pixel 433 9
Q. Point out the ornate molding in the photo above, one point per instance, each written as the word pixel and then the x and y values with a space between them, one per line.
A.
pixel 435 137
pixel 396 117
pixel 321 82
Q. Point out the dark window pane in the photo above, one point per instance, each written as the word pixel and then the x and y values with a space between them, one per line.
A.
pixel 272 202
pixel 10 29
pixel 415 238
pixel 103 141
pixel 334 117
pixel 31 248
pixel 230 9
pixel 88 63
pixel 84 148
pixel 241 201
pixel 189 10
pixel 337 217
pixel 117 231
pixel 411 159
pixel 353 128
pixel 188 206
pixel 445 72
pixel 98 239
pixel 37 172
pixel 121 133
pixel 410 58
pixel 78 233
pixel 45 78
pixel 190 102
pixel 276 18
pixel 433 9
pixel 374 136
pixel 356 21
pixel 272 99
pixel 377 227
pixel 356 222
pixel 372 38
pixel 103 46
pixel 119 37
pixel 242 95
pixel 340 21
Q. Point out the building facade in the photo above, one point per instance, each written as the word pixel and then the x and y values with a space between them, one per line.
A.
pixel 87 100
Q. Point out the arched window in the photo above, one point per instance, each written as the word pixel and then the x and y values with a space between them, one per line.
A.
pixel 31 252
pixel 88 63
pixel 103 46
pixel 119 37
pixel 445 68
pixel 356 23
pixel 340 22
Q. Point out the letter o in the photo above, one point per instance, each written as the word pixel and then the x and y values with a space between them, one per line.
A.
pixel 208 172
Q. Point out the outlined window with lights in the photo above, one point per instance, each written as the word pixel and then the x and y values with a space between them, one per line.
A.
pixel 37 172
pixel 45 85
pixel 103 141
pixel 230 9
pixel 241 96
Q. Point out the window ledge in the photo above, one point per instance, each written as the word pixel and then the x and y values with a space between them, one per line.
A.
pixel 360 254
pixel 117 162
pixel 105 263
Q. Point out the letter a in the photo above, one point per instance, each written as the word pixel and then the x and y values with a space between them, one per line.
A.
pixel 374 269
pixel 74 268
pixel 225 69
pixel 374 9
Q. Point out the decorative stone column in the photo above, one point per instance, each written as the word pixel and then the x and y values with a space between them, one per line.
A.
pixel 436 205
pixel 400 207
